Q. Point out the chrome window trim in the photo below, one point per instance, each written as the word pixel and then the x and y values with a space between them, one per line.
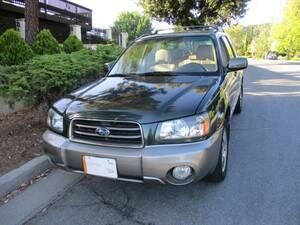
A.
pixel 71 138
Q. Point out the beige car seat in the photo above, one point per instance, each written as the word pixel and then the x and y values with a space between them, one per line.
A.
pixel 162 59
pixel 204 56
pixel 206 53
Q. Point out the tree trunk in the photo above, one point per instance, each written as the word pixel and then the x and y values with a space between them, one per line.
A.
pixel 31 20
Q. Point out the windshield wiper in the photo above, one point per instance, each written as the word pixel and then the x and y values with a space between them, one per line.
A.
pixel 155 73
pixel 120 75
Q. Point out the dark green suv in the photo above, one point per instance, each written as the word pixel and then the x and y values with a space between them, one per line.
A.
pixel 162 113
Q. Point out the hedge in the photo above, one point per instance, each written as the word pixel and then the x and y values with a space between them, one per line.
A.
pixel 47 78
pixel 45 43
pixel 13 49
pixel 109 52
pixel 72 44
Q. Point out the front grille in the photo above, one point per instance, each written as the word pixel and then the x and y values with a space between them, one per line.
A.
pixel 121 134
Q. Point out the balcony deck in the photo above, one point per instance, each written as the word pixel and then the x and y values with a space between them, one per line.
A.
pixel 60 11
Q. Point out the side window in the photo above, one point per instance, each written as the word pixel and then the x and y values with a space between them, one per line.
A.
pixel 232 46
pixel 228 47
pixel 224 53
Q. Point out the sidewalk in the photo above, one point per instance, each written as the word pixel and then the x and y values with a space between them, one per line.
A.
pixel 37 196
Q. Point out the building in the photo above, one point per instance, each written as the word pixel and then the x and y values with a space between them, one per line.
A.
pixel 61 17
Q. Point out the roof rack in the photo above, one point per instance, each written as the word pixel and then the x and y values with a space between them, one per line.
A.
pixel 191 28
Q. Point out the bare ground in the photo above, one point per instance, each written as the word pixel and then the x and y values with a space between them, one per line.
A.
pixel 20 137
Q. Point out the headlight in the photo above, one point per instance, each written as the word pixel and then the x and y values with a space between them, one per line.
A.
pixel 183 130
pixel 55 121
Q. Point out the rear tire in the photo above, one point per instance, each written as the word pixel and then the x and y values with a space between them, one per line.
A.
pixel 220 171
pixel 239 104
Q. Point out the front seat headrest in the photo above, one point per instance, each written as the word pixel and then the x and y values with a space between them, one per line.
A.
pixel 206 52
pixel 162 56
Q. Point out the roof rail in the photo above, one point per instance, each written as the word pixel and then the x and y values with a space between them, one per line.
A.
pixel 192 28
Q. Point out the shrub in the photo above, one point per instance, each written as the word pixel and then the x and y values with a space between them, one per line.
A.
pixel 6 73
pixel 13 49
pixel 109 52
pixel 45 43
pixel 48 77
pixel 72 44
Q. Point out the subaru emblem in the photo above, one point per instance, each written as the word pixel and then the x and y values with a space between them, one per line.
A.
pixel 102 131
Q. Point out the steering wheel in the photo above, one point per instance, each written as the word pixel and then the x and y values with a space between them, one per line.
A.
pixel 192 67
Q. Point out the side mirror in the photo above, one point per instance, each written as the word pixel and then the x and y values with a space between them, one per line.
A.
pixel 238 63
pixel 109 66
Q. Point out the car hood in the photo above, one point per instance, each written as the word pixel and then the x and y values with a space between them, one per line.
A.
pixel 144 99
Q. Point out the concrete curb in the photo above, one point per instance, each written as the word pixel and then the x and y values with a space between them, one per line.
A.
pixel 37 196
pixel 15 178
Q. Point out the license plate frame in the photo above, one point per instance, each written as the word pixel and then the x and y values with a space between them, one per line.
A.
pixel 97 166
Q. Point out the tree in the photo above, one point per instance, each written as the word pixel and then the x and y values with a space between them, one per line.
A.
pixel 191 12
pixel 287 33
pixel 31 20
pixel 261 44
pixel 133 23
pixel 238 35
pixel 253 39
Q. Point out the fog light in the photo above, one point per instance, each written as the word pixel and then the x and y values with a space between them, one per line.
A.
pixel 181 172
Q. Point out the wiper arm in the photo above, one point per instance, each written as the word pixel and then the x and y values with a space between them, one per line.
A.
pixel 154 73
pixel 119 75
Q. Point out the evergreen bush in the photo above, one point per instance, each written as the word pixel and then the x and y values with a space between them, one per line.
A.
pixel 72 44
pixel 45 43
pixel 13 49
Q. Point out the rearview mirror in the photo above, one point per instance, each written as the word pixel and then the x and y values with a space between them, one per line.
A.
pixel 238 63
pixel 109 66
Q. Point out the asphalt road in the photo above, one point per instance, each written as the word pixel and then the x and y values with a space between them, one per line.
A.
pixel 263 182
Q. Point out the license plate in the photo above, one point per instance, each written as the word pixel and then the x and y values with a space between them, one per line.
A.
pixel 100 166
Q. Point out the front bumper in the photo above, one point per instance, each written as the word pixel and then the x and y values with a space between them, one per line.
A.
pixel 152 163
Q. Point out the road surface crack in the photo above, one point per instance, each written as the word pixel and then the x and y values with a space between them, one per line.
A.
pixel 123 210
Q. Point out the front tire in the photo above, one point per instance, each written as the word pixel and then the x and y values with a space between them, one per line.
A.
pixel 220 172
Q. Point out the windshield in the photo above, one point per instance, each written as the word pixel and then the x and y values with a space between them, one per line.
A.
pixel 168 55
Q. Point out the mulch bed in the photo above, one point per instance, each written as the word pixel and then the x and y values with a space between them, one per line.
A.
pixel 20 137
